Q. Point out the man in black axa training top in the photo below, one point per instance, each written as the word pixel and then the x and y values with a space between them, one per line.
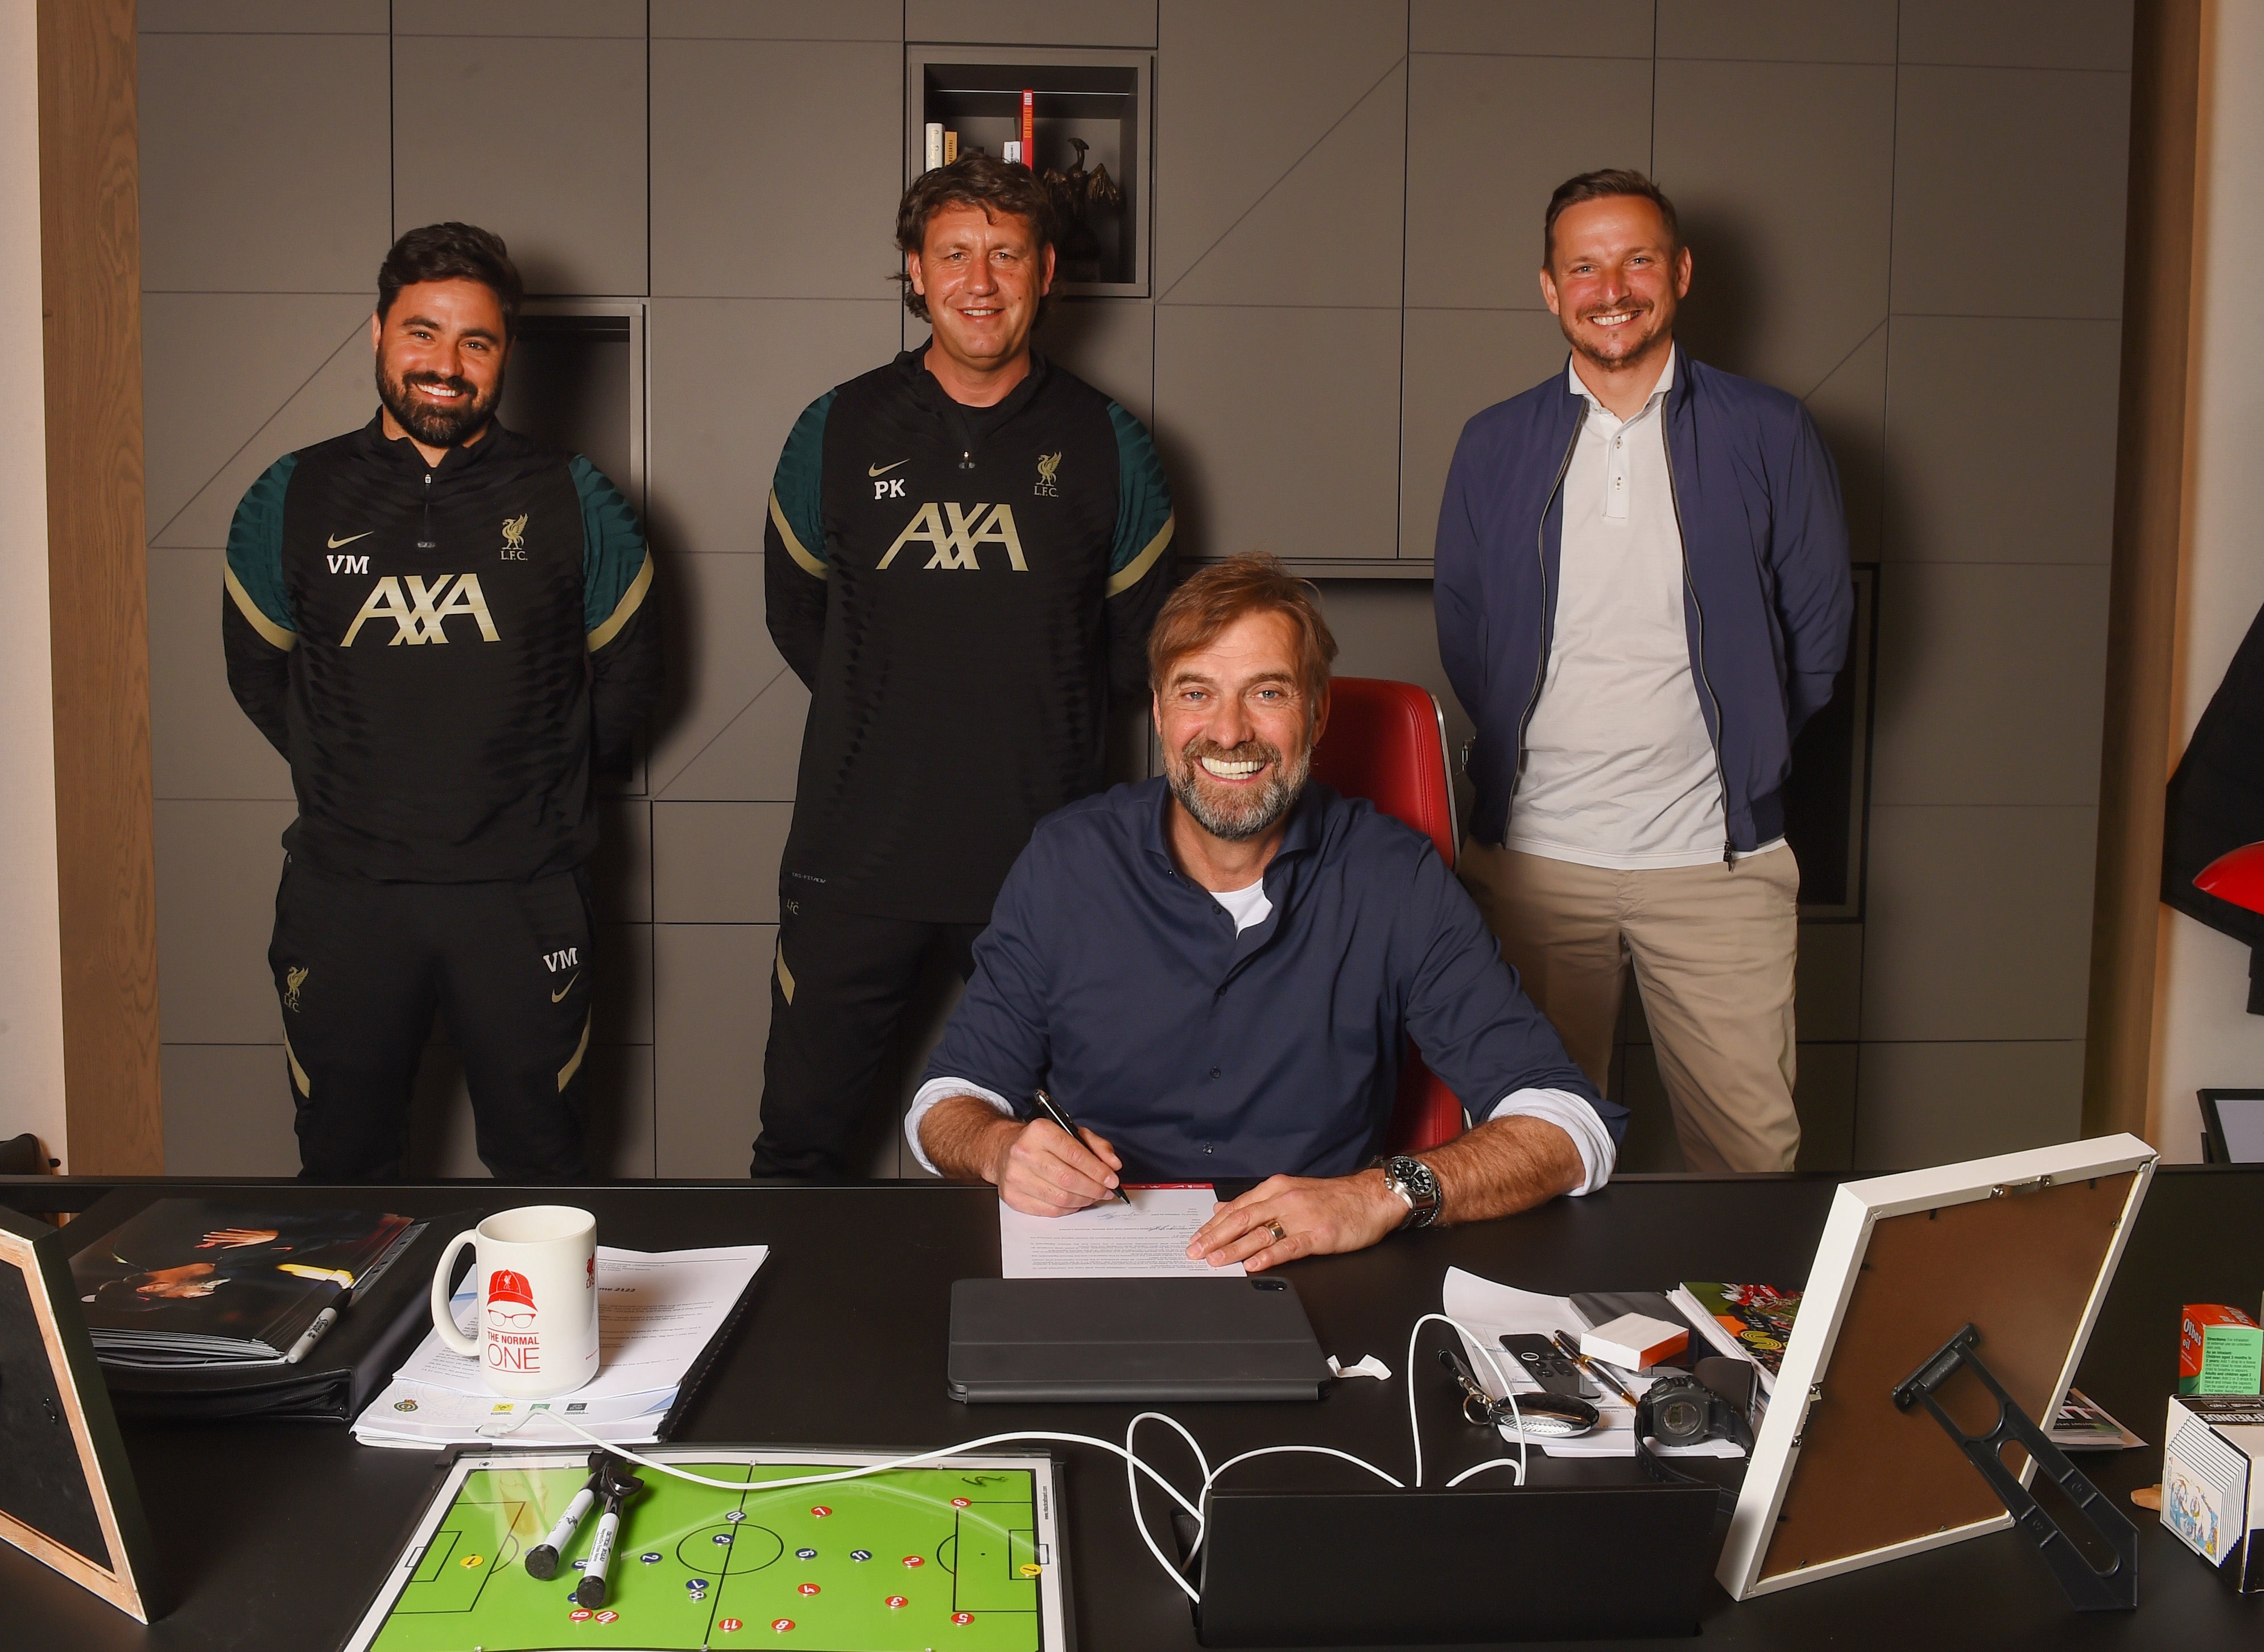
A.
pixel 445 626
pixel 965 550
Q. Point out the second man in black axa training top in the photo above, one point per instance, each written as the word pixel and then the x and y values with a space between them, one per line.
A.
pixel 444 627
pixel 965 551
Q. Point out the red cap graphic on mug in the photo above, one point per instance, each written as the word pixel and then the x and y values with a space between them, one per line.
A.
pixel 509 1297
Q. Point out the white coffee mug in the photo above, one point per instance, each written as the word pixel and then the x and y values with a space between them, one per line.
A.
pixel 534 1278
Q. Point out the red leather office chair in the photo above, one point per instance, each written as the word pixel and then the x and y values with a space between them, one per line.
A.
pixel 1387 741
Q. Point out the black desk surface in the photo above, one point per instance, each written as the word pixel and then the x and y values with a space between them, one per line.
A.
pixel 275 1534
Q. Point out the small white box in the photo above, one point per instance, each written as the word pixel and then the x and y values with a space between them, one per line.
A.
pixel 2210 1486
pixel 1635 1342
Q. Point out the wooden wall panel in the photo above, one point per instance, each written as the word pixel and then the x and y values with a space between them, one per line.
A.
pixel 2142 603
pixel 98 602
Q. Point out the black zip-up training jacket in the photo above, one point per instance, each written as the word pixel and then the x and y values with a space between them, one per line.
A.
pixel 442 652
pixel 958 587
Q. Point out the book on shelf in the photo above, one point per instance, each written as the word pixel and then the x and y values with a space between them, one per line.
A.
pixel 932 146
pixel 190 1282
pixel 1028 155
pixel 950 148
pixel 1752 1321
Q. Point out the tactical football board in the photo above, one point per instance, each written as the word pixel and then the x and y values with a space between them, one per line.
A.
pixel 964 1553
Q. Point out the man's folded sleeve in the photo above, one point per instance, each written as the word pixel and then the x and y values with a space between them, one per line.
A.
pixel 1475 1028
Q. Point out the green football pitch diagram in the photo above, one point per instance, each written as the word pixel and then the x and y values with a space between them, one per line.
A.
pixel 903 1562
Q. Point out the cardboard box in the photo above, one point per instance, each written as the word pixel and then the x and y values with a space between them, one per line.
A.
pixel 1635 1342
pixel 2212 1493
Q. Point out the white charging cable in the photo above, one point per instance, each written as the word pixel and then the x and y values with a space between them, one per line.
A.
pixel 1501 1376
pixel 1134 1465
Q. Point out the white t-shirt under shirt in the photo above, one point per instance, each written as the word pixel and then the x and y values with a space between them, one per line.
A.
pixel 1620 772
pixel 1248 908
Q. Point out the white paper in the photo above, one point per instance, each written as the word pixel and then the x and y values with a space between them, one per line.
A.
pixel 1491 1310
pixel 1147 1240
pixel 409 1413
pixel 656 1311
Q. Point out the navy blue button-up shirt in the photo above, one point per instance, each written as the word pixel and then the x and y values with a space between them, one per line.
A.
pixel 1120 986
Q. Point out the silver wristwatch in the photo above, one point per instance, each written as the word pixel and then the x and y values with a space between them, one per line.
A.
pixel 1414 1181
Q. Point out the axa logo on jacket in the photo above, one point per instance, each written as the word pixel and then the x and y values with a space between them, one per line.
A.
pixel 953 532
pixel 420 609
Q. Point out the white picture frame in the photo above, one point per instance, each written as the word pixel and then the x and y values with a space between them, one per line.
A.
pixel 1892 1483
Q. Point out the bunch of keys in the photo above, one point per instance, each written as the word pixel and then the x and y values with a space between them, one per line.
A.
pixel 1537 1415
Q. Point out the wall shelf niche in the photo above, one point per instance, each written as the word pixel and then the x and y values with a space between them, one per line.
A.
pixel 1101 98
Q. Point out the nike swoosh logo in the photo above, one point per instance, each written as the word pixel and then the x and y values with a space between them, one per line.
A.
pixel 568 988
pixel 882 470
pixel 350 539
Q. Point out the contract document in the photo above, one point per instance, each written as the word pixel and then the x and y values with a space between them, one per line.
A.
pixel 657 1313
pixel 1145 1240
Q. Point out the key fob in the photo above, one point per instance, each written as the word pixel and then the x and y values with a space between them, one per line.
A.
pixel 1544 1363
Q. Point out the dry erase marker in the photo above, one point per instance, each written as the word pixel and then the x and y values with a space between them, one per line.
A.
pixel 590 1592
pixel 1051 1108
pixel 542 1559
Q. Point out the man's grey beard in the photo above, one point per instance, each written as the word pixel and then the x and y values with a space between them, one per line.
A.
pixel 1259 812
pixel 434 426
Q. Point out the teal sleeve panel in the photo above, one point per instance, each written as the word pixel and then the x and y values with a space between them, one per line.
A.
pixel 613 555
pixel 255 553
pixel 1143 502
pixel 798 490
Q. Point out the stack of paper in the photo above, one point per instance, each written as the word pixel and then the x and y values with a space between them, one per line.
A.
pixel 1490 1310
pixel 659 1312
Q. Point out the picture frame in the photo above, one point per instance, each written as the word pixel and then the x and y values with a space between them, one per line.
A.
pixel 2232 1125
pixel 2022 1246
pixel 69 1499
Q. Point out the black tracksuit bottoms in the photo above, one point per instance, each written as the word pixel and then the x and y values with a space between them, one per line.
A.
pixel 838 987
pixel 361 966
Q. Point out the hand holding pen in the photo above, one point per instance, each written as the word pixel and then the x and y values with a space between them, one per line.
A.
pixel 1052 1110
pixel 1045 1166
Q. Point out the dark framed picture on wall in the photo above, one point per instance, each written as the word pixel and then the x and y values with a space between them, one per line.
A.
pixel 68 1497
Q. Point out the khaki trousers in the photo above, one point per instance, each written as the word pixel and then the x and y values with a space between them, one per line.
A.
pixel 1713 948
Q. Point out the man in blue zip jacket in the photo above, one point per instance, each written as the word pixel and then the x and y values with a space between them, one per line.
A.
pixel 1642 593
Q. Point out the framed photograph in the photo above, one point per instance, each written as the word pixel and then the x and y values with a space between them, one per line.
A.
pixel 2022 1247
pixel 67 1499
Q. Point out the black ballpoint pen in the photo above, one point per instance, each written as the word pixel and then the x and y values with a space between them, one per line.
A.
pixel 1051 1108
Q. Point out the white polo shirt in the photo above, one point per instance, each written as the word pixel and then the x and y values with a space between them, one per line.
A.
pixel 1620 772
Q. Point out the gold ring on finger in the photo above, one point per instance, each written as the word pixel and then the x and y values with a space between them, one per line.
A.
pixel 1277 1230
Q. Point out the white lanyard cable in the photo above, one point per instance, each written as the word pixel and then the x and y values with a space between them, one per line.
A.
pixel 1134 1465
